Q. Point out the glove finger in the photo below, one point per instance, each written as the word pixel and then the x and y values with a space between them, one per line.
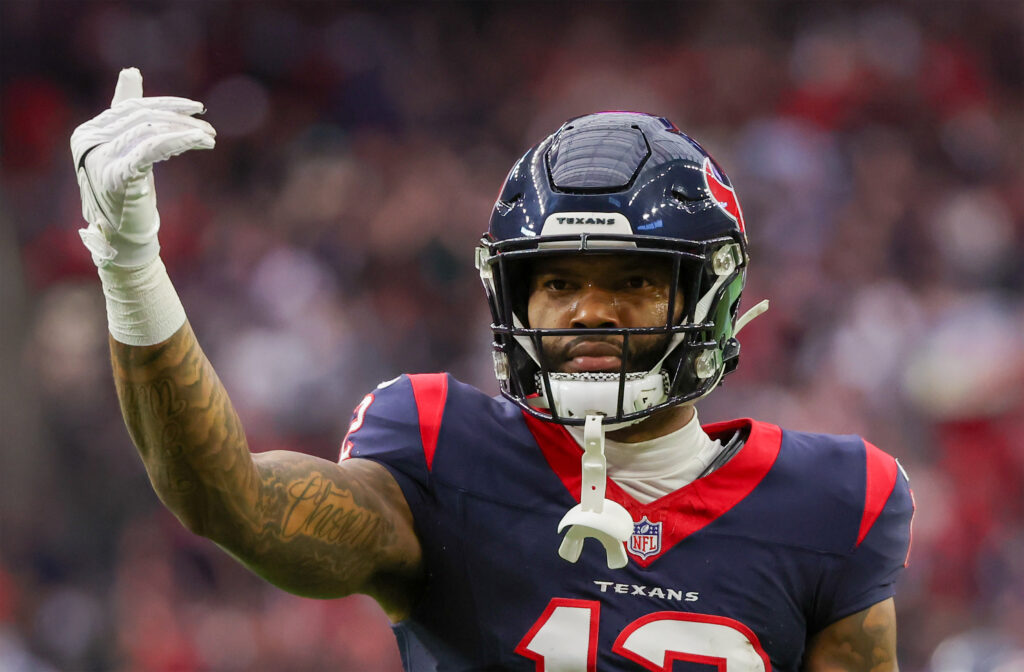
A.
pixel 161 126
pixel 126 108
pixel 141 119
pixel 167 103
pixel 163 147
pixel 153 126
pixel 129 85
pixel 109 123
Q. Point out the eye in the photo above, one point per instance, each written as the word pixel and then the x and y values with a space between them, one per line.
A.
pixel 556 284
pixel 638 282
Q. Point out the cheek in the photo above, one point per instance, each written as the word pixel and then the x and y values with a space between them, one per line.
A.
pixel 653 313
pixel 545 312
pixel 535 311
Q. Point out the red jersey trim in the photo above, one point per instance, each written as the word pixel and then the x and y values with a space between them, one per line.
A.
pixel 880 482
pixel 910 540
pixel 430 390
pixel 688 509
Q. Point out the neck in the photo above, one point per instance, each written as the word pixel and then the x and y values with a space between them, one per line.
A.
pixel 661 423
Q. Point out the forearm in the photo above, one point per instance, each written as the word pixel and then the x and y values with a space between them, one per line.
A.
pixel 187 432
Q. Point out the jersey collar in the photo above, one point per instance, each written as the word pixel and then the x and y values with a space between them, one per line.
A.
pixel 688 509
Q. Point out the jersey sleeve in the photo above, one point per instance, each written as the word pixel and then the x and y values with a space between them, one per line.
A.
pixel 386 428
pixel 868 573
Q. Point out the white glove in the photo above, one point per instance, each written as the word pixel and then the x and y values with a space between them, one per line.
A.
pixel 114 155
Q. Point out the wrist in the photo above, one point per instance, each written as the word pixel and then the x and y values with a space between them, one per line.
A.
pixel 142 306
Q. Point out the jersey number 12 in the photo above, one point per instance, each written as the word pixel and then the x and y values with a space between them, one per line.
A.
pixel 564 639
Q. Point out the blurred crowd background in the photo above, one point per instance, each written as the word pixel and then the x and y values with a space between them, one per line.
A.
pixel 325 245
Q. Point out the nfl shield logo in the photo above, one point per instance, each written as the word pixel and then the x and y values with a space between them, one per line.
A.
pixel 646 539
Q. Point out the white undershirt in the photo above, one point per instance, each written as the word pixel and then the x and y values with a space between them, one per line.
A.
pixel 651 469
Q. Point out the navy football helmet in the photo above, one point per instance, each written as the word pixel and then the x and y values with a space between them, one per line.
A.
pixel 617 183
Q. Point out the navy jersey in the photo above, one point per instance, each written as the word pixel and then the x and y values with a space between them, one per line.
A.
pixel 735 571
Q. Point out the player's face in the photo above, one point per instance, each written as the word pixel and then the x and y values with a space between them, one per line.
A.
pixel 603 291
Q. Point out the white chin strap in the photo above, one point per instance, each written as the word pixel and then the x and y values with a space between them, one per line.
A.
pixel 580 395
pixel 595 516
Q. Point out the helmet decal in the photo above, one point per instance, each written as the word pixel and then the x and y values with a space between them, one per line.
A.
pixel 723 194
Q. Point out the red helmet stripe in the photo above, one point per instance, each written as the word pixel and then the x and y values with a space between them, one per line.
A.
pixel 723 194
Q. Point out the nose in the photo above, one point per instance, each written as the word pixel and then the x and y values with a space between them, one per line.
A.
pixel 595 308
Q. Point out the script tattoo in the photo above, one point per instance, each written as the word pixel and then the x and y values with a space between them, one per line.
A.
pixel 307 525
pixel 333 518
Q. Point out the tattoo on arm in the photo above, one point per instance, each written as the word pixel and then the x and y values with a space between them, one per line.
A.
pixel 180 418
pixel 306 524
pixel 343 520
pixel 862 642
pixel 332 517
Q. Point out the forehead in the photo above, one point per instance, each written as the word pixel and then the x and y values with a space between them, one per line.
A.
pixel 599 264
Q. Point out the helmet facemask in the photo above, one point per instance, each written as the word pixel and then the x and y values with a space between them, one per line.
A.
pixel 695 338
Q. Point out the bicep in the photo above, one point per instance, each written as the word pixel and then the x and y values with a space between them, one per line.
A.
pixel 325 530
pixel 861 642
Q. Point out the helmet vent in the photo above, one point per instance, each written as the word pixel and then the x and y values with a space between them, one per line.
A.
pixel 596 157
pixel 683 197
pixel 503 207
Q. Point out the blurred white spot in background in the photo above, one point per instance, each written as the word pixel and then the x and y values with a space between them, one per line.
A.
pixel 68 621
pixel 978 651
pixel 68 340
pixel 873 338
pixel 969 363
pixel 974 232
pixel 288 284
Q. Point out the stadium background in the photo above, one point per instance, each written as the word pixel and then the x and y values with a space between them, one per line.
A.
pixel 325 245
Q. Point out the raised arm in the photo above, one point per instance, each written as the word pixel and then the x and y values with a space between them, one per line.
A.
pixel 310 526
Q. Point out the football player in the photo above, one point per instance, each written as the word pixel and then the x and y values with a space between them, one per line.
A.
pixel 582 520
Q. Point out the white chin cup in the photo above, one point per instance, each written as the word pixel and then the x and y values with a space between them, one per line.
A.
pixel 577 395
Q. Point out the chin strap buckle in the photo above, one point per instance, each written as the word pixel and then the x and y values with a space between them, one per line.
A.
pixel 595 516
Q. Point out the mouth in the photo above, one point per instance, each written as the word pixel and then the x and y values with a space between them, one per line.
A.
pixel 592 356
